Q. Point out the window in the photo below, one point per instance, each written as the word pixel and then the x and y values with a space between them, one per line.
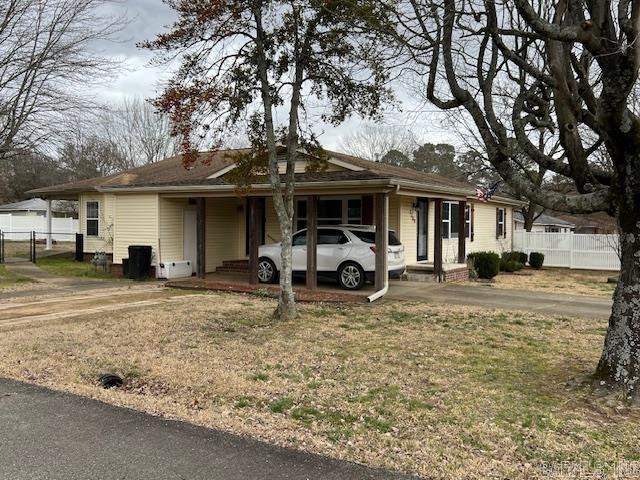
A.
pixel 331 211
pixel 552 229
pixel 501 215
pixel 300 239
pixel 331 237
pixel 367 236
pixel 450 220
pixel 93 219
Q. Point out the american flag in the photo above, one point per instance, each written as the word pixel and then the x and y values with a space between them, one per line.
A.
pixel 485 195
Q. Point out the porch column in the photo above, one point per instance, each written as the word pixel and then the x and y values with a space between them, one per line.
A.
pixel 437 242
pixel 201 217
pixel 312 242
pixel 462 234
pixel 382 239
pixel 49 225
pixel 254 216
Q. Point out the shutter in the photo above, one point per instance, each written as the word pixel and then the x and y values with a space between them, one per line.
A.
pixel 497 223
pixel 504 219
pixel 472 221
pixel 367 210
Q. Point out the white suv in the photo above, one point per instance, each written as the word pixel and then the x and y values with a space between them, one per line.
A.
pixel 346 254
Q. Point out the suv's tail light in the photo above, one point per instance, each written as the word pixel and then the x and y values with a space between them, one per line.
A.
pixel 373 248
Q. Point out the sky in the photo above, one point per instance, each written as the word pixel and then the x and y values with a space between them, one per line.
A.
pixel 138 78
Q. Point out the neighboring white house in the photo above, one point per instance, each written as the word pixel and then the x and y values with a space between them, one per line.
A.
pixel 38 207
pixel 544 224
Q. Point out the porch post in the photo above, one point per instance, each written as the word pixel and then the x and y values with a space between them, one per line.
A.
pixel 437 243
pixel 253 240
pixel 312 242
pixel 462 234
pixel 382 239
pixel 49 225
pixel 201 216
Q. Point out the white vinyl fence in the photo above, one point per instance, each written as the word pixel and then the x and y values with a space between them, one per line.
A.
pixel 19 227
pixel 572 250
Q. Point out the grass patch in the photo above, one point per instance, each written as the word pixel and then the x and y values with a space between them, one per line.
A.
pixel 9 279
pixel 65 266
pixel 439 391
pixel 556 280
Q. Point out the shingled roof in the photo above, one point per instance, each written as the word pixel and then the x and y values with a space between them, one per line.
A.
pixel 172 173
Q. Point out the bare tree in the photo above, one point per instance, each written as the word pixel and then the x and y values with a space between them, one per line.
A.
pixel 45 66
pixel 567 68
pixel 374 141
pixel 138 131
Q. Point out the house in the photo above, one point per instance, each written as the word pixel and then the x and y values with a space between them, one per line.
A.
pixel 545 223
pixel 199 214
pixel 591 223
pixel 38 207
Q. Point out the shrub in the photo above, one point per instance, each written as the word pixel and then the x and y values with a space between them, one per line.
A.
pixel 536 259
pixel 486 264
pixel 519 257
pixel 511 266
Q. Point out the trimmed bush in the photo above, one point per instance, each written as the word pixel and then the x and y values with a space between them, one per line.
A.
pixel 486 264
pixel 536 259
pixel 519 257
pixel 511 266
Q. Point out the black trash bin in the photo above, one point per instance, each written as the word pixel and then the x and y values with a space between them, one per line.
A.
pixel 139 262
pixel 125 267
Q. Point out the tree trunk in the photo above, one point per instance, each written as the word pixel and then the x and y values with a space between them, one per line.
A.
pixel 529 215
pixel 620 362
pixel 286 302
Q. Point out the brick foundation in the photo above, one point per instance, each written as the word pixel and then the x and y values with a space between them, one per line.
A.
pixel 457 275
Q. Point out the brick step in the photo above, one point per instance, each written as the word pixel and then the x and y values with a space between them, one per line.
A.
pixel 234 266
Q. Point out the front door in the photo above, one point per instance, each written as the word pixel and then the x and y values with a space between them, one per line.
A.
pixel 190 237
pixel 423 216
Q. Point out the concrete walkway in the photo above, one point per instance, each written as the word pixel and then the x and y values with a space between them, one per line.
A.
pixel 504 299
pixel 51 435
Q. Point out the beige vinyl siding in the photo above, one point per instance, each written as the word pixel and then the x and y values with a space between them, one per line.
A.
pixel 106 205
pixel 136 223
pixel 171 228
pixel 407 228
pixel 301 167
pixel 484 238
pixel 272 227
pixel 221 231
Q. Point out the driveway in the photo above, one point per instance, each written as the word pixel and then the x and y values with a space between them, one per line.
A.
pixel 504 299
pixel 52 435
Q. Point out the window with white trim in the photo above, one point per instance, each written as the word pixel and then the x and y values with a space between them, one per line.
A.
pixel 93 218
pixel 500 224
pixel 450 220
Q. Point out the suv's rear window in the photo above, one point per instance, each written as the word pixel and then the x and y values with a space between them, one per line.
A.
pixel 370 237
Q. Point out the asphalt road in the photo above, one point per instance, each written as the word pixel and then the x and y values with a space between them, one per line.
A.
pixel 52 435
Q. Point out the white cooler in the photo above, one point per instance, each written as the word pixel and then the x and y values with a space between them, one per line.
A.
pixel 174 269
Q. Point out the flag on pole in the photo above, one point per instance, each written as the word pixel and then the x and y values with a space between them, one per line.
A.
pixel 485 195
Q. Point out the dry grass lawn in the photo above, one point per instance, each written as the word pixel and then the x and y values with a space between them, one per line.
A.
pixel 558 280
pixel 438 391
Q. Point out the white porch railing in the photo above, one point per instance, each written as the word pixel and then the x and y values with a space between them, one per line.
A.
pixel 19 227
pixel 578 251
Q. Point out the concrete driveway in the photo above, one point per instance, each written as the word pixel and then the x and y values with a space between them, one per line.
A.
pixel 504 299
pixel 56 436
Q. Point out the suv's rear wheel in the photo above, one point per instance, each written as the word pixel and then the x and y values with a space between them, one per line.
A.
pixel 267 272
pixel 351 276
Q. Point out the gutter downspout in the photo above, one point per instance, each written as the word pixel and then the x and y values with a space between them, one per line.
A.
pixel 381 293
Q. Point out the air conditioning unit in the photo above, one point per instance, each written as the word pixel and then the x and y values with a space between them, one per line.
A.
pixel 175 269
